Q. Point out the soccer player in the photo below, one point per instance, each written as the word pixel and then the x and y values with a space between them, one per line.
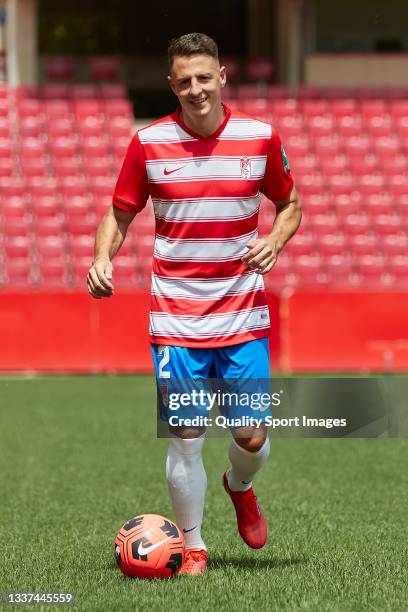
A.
pixel 205 168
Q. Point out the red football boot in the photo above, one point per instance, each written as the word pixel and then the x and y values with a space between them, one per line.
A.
pixel 252 525
pixel 195 562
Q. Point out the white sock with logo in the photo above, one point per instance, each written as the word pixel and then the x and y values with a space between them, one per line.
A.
pixel 244 465
pixel 187 482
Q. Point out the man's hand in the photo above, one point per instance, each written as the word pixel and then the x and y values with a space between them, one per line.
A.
pixel 99 278
pixel 262 255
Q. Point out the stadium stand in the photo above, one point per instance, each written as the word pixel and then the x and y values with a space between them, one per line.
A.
pixel 61 148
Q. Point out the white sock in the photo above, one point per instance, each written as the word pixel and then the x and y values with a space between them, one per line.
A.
pixel 187 482
pixel 244 465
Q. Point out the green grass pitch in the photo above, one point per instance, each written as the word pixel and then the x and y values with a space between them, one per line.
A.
pixel 79 456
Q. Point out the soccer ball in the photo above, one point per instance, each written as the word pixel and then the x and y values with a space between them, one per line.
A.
pixel 149 546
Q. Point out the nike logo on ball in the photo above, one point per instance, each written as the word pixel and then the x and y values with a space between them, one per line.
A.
pixel 167 172
pixel 145 551
pixel 187 530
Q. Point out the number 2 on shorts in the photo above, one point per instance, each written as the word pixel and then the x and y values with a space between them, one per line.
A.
pixel 164 353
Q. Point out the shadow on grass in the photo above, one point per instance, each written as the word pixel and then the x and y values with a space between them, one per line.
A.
pixel 221 561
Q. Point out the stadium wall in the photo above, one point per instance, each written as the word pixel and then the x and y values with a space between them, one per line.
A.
pixel 311 331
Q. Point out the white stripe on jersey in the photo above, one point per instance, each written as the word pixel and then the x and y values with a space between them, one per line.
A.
pixel 163 132
pixel 203 168
pixel 210 326
pixel 205 289
pixel 245 129
pixel 215 249
pixel 206 209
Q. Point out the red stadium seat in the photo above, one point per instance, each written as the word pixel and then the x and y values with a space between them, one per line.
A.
pixel 301 245
pixel 386 225
pixel 17 227
pixel 320 125
pixel 386 145
pixel 67 166
pixel 55 91
pixel 356 224
pixel 32 147
pixel 357 146
pixel 103 68
pixel 10 187
pixel 378 204
pixel 81 226
pixel 398 108
pixel 332 244
pixel 380 125
pixel 398 184
pixel 363 244
pixel 337 164
pixel 48 226
pixel 18 272
pixel 14 207
pixel 6 147
pixel 61 127
pixel 398 266
pixel 63 147
pixel 309 183
pixel 50 246
pixel 395 244
pixel 339 269
pixel 346 203
pixel 349 125
pixel 372 108
pixel 341 107
pixel 59 67
pixel 311 108
pixel 370 269
pixel 323 224
pixel 285 108
pixel 83 92
pixel 81 246
pixel 115 108
pixel 29 108
pixel 112 91
pixel 325 146
pixel 119 127
pixel 370 183
pixel 4 128
pixel 340 183
pixel 58 109
pixel 42 187
pixel 259 68
pixel 91 126
pixel 316 204
pixel 53 273
pixel 6 167
pixel 17 246
pixel 94 147
pixel 30 127
pixel 368 164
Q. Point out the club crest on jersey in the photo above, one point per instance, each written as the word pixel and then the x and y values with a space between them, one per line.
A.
pixel 245 167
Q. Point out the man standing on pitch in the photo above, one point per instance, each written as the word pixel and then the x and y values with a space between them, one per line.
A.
pixel 205 168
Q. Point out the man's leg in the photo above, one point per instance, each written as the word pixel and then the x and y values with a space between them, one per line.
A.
pixel 249 448
pixel 185 472
pixel 187 482
pixel 248 452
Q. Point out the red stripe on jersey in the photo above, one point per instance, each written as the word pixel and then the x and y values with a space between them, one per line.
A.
pixel 213 342
pixel 211 188
pixel 198 269
pixel 182 150
pixel 209 229
pixel 201 308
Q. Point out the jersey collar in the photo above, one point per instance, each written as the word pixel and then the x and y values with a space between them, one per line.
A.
pixel 218 131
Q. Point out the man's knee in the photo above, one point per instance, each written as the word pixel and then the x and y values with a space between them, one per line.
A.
pixel 250 438
pixel 187 433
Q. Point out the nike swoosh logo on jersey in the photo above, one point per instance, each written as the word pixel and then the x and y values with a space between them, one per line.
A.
pixel 166 172
pixel 145 551
pixel 187 530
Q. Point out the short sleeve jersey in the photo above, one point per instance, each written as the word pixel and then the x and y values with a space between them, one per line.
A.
pixel 206 194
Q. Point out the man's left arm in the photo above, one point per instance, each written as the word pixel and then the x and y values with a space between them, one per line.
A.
pixel 263 252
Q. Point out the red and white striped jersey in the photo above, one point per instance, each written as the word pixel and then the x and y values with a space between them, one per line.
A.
pixel 206 194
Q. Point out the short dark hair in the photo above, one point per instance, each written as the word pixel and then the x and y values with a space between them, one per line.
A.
pixel 191 44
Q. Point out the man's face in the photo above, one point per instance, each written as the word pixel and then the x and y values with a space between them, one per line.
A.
pixel 197 80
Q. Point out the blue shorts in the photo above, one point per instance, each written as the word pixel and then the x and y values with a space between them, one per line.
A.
pixel 176 367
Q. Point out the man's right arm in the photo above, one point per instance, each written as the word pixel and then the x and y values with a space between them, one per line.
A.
pixel 109 238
